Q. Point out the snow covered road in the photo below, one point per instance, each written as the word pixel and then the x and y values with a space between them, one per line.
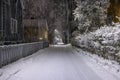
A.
pixel 54 63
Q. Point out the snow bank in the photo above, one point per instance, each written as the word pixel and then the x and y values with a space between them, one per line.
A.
pixel 104 42
pixel 101 65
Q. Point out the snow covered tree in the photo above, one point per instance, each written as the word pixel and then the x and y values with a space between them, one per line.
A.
pixel 37 9
pixel 90 14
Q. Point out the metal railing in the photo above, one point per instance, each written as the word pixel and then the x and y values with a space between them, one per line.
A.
pixel 11 53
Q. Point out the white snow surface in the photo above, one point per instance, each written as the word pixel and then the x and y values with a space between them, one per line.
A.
pixel 61 62
pixel 101 66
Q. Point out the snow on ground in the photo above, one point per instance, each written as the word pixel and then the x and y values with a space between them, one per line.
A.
pixel 100 65
pixel 60 45
pixel 58 62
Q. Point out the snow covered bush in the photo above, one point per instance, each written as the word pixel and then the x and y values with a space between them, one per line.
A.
pixel 57 37
pixel 90 14
pixel 104 42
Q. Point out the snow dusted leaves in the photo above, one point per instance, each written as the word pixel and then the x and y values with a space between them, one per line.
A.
pixel 90 13
pixel 104 42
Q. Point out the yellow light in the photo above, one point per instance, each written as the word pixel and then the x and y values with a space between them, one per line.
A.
pixel 40 38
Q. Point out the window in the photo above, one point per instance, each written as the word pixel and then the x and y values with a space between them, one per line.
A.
pixel 13 25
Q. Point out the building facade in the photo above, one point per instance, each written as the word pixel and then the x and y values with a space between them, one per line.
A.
pixel 35 30
pixel 113 11
pixel 11 24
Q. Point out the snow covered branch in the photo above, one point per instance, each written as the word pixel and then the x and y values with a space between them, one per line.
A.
pixel 90 14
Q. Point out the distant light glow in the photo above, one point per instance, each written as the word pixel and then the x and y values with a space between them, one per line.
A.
pixel 40 38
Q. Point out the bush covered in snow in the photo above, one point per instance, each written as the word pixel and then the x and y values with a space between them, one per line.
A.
pixel 90 14
pixel 104 42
